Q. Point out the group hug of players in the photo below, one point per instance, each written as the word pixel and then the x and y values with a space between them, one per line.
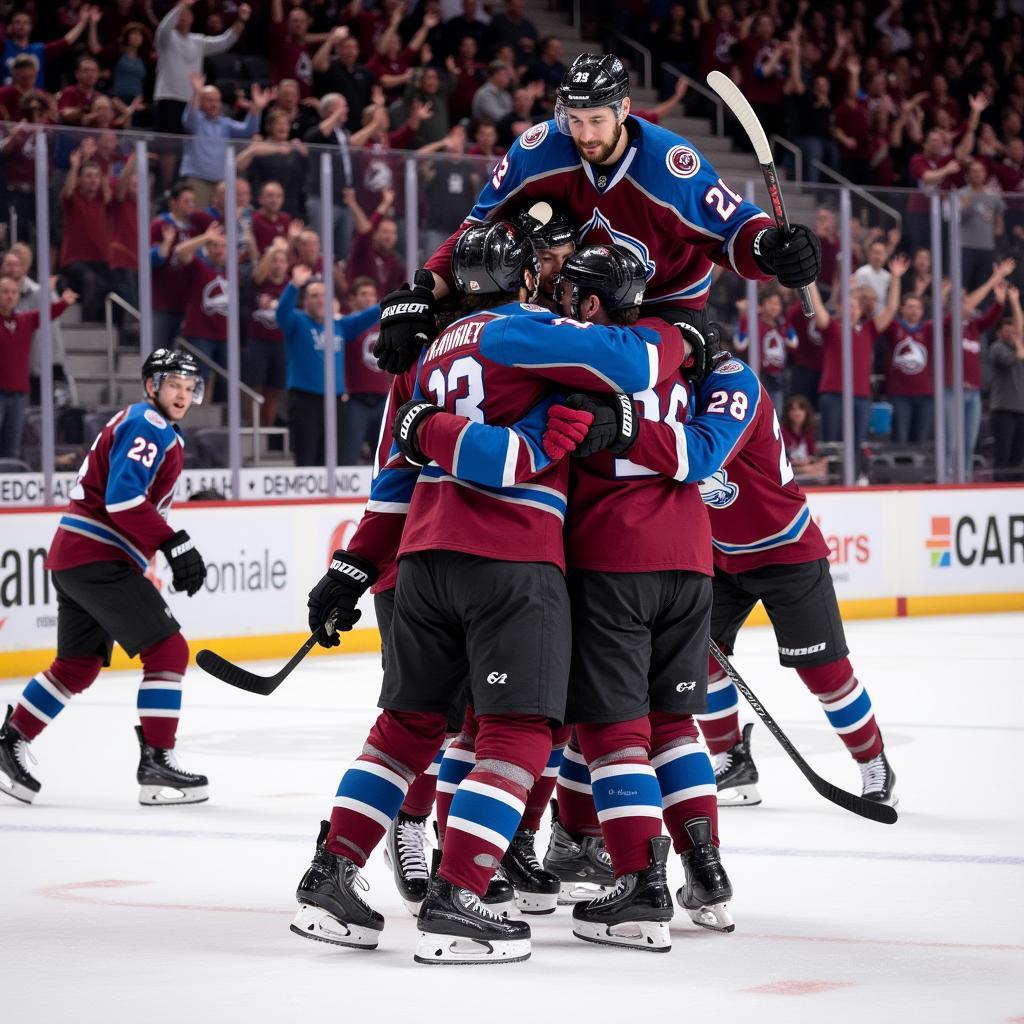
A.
pixel 575 487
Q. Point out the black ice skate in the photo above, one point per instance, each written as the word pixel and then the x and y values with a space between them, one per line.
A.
pixel 405 850
pixel 536 890
pixel 15 778
pixel 879 781
pixel 330 909
pixel 500 896
pixel 163 781
pixel 581 863
pixel 736 774
pixel 636 912
pixel 706 894
pixel 457 927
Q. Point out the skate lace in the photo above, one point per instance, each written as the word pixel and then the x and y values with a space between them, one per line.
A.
pixel 873 774
pixel 617 890
pixel 353 877
pixel 171 761
pixel 525 849
pixel 477 906
pixel 23 753
pixel 412 848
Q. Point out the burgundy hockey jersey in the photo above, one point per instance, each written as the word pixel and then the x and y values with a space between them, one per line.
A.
pixel 119 503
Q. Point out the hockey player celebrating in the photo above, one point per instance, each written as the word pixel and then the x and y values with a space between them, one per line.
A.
pixel 113 526
pixel 480 595
pixel 627 182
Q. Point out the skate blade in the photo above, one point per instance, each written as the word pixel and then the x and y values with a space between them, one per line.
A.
pixel 537 902
pixel 16 790
pixel 580 892
pixel 647 936
pixel 713 916
pixel 314 923
pixel 413 906
pixel 159 796
pixel 739 796
pixel 450 950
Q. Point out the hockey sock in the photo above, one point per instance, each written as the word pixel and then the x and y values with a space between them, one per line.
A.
pixel 576 811
pixel 47 694
pixel 847 706
pixel 625 788
pixel 459 759
pixel 540 794
pixel 419 801
pixel 159 702
pixel 721 722
pixel 488 805
pixel 400 746
pixel 685 775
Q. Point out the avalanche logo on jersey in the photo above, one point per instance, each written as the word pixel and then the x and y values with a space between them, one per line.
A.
pixel 369 359
pixel 910 356
pixel 682 161
pixel 266 315
pixel 599 222
pixel 215 297
pixel 717 490
pixel 533 137
pixel 773 349
pixel 732 366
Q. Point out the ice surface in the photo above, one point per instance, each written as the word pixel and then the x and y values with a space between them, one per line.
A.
pixel 110 911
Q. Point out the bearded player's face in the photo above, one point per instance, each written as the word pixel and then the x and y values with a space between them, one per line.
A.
pixel 595 131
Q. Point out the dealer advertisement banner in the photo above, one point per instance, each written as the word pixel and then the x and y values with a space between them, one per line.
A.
pixel 262 558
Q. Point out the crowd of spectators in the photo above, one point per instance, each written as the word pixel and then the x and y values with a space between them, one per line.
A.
pixel 928 95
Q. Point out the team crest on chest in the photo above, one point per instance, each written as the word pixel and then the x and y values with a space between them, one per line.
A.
pixel 534 136
pixel 600 223
pixel 682 161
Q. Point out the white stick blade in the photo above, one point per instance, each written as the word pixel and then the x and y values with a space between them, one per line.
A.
pixel 739 105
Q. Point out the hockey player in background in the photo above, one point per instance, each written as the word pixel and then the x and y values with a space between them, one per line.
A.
pixel 115 523
pixel 624 181
pixel 480 592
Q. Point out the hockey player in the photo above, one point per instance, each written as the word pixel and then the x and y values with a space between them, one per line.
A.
pixel 480 593
pixel 625 181
pixel 113 526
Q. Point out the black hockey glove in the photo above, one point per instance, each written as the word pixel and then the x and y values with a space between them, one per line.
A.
pixel 406 426
pixel 705 350
pixel 795 261
pixel 406 324
pixel 186 563
pixel 345 581
pixel 615 424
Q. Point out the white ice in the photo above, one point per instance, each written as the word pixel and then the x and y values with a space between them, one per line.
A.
pixel 114 912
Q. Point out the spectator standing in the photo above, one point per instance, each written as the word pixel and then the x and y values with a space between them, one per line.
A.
pixel 85 245
pixel 301 113
pixel 373 252
pixel 1006 396
pixel 392 63
pixel 851 128
pixel 826 227
pixel 204 259
pixel 18 149
pixel 16 330
pixel 451 183
pixel 522 116
pixel 493 101
pixel 269 221
pixel 123 229
pixel 865 331
pixel 981 223
pixel 305 342
pixel 202 164
pixel 936 167
pixel 428 93
pixel 974 328
pixel 776 337
pixel 513 28
pixel 24 71
pixel 343 73
pixel 331 132
pixel 290 48
pixel 909 385
pixel 366 383
pixel 277 159
pixel 467 74
pixel 918 280
pixel 471 23
pixel 815 135
pixel 805 358
pixel 719 38
pixel 170 280
pixel 131 69
pixel 764 71
pixel 180 55
pixel 547 66
pixel 873 274
pixel 18 40
pixel 264 354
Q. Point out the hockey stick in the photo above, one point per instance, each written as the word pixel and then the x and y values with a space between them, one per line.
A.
pixel 230 673
pixel 744 112
pixel 848 801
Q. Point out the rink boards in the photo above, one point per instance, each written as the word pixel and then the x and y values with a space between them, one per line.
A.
pixel 894 552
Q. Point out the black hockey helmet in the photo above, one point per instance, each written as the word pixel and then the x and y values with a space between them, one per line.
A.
pixel 548 226
pixel 610 272
pixel 493 257
pixel 593 80
pixel 168 362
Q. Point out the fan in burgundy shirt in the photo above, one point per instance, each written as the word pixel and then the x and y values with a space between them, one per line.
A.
pixel 85 245
pixel 269 221
pixel 373 252
pixel 289 49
